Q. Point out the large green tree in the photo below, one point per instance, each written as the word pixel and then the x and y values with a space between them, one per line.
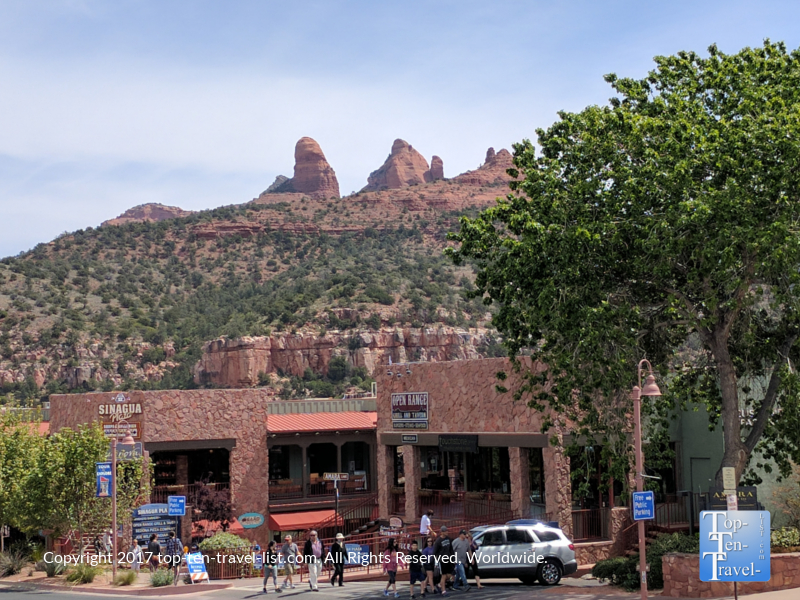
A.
pixel 664 225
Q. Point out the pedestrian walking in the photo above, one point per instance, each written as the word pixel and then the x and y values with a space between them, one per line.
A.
pixel 445 557
pixel 461 550
pixel 313 553
pixel 271 566
pixel 390 568
pixel 473 561
pixel 416 569
pixel 173 551
pixel 290 552
pixel 136 556
pixel 153 553
pixel 425 527
pixel 428 561
pixel 337 558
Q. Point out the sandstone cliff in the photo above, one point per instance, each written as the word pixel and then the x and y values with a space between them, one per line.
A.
pixel 238 362
pixel 492 171
pixel 404 166
pixel 148 213
pixel 437 170
pixel 312 173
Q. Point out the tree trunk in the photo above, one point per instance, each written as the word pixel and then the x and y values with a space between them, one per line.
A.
pixel 735 454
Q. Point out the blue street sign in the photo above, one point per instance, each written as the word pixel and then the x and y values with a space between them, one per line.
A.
pixel 734 545
pixel 104 479
pixel 644 506
pixel 176 506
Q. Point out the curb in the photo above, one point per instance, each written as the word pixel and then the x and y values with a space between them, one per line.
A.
pixel 122 591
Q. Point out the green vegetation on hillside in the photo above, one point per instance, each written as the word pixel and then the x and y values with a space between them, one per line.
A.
pixel 125 298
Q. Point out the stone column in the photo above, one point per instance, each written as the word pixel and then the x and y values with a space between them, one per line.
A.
pixel 557 486
pixel 385 478
pixel 249 468
pixel 413 475
pixel 518 459
pixel 338 457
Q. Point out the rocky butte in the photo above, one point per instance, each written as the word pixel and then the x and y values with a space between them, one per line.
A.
pixel 313 175
pixel 148 213
pixel 492 171
pixel 404 167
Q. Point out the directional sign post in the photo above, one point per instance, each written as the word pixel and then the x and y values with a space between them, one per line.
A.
pixel 176 506
pixel 644 506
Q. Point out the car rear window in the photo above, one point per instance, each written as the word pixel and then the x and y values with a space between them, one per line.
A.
pixel 519 536
pixel 548 536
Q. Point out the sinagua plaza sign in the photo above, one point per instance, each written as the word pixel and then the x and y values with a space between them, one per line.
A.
pixel 410 410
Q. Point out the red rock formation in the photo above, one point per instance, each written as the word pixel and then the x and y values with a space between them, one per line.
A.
pixel 312 173
pixel 238 363
pixel 405 166
pixel 218 230
pixel 148 213
pixel 492 171
pixel 437 170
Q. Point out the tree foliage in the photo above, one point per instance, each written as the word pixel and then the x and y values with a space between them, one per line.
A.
pixel 663 225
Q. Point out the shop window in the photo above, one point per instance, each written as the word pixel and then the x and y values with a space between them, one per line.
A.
pixel 536 475
pixel 399 466
pixel 355 461
pixel 322 458
pixel 285 463
pixel 489 471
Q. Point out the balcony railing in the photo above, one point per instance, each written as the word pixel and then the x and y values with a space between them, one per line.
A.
pixel 285 488
pixel 466 506
pixel 590 524
pixel 160 493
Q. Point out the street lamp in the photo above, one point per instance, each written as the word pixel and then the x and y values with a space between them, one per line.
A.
pixel 126 441
pixel 650 389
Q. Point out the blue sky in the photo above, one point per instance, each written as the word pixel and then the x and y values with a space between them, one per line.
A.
pixel 106 105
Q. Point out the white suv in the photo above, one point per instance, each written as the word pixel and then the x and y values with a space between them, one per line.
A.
pixel 529 552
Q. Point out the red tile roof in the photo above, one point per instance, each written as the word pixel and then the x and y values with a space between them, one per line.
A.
pixel 323 421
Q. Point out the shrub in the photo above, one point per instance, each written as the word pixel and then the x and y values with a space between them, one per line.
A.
pixel 161 577
pixel 12 563
pixel 786 537
pixel 83 573
pixel 53 568
pixel 624 572
pixel 126 578
pixel 224 541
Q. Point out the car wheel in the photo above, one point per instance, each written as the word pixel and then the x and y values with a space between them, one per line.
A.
pixel 549 572
pixel 528 580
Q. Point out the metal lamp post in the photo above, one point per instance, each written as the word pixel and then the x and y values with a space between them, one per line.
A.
pixel 650 389
pixel 126 441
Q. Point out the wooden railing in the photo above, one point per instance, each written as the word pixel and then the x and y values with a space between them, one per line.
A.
pixel 591 524
pixel 466 506
pixel 160 493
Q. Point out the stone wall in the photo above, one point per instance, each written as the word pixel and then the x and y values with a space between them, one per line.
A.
pixel 682 577
pixel 463 399
pixel 193 415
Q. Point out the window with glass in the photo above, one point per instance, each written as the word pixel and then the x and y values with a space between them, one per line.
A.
pixel 489 470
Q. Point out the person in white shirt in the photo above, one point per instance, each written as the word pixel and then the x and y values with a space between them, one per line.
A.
pixel 425 526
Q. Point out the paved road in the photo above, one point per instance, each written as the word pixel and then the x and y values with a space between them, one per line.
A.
pixel 500 590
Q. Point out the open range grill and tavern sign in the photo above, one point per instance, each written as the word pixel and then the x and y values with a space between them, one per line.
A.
pixel 410 410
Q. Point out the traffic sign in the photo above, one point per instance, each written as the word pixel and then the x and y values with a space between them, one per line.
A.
pixel 197 567
pixel 336 476
pixel 176 506
pixel 104 479
pixel 644 506
pixel 734 545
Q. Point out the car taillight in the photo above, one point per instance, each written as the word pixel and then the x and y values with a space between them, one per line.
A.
pixel 572 547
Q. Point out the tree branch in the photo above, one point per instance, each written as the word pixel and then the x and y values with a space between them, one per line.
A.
pixel 704 332
pixel 765 411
